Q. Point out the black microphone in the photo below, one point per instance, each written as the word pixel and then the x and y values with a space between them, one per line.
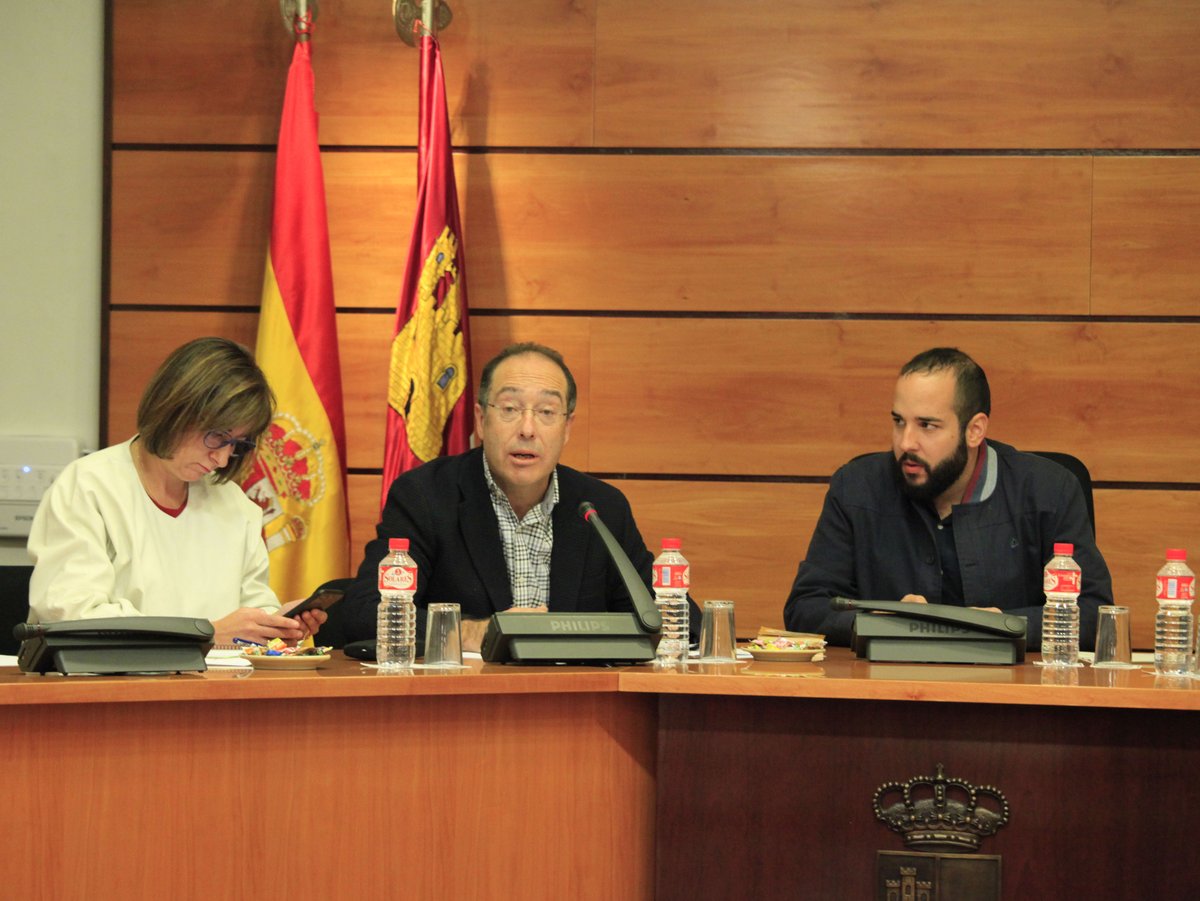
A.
pixel 643 603
pixel 23 631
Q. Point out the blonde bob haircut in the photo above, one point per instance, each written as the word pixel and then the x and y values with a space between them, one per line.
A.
pixel 209 383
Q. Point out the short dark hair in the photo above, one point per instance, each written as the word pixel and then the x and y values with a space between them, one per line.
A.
pixel 208 383
pixel 516 350
pixel 971 393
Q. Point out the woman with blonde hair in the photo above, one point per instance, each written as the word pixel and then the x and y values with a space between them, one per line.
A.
pixel 158 525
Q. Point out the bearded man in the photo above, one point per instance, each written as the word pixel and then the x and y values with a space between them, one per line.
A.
pixel 948 517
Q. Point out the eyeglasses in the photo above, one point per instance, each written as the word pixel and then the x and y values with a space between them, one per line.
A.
pixel 215 439
pixel 543 415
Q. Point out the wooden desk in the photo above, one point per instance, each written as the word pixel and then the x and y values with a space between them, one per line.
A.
pixel 236 784
pixel 339 783
pixel 765 782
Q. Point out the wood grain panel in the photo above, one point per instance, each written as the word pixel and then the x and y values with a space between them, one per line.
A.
pixel 516 73
pixel 931 234
pixel 912 235
pixel 190 228
pixel 832 756
pixel 1145 221
pixel 1134 529
pixel 743 540
pixel 103 782
pixel 364 497
pixel 771 398
pixel 140 341
pixel 944 73
pixel 802 397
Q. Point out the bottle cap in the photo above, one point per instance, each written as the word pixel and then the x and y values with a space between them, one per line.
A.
pixel 1063 549
pixel 1176 553
pixel 397 544
pixel 671 544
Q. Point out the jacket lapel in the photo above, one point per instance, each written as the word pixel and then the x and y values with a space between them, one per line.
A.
pixel 481 534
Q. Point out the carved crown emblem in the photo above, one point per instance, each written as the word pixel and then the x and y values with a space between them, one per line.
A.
pixel 939 812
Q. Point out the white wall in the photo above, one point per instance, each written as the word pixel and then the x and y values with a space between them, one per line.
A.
pixel 51 170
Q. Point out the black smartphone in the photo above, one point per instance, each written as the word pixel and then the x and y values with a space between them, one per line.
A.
pixel 321 599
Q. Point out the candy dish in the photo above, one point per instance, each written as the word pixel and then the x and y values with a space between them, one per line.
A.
pixel 288 662
pixel 787 655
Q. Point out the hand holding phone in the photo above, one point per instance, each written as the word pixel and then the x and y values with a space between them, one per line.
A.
pixel 321 599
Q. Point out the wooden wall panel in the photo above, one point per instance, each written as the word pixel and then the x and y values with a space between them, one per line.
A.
pixel 962 247
pixel 190 228
pixel 364 493
pixel 802 397
pixel 803 74
pixel 921 73
pixel 184 77
pixel 787 398
pixel 927 234
pixel 1146 219
pixel 1134 529
pixel 218 77
pixel 784 234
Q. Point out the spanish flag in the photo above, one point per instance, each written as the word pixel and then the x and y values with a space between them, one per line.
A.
pixel 299 478
pixel 430 403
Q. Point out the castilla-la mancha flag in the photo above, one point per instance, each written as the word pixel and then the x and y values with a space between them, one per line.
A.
pixel 430 403
pixel 299 474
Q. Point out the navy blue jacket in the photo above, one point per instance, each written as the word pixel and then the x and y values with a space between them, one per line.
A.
pixel 444 509
pixel 873 543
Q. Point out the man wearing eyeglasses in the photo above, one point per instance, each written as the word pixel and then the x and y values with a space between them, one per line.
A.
pixel 498 528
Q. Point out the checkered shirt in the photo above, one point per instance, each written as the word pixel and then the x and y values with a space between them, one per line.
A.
pixel 527 542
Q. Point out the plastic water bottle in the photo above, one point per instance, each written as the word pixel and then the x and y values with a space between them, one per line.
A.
pixel 672 577
pixel 1060 617
pixel 1173 623
pixel 396 636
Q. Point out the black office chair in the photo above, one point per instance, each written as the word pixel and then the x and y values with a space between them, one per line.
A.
pixel 1076 467
pixel 14 604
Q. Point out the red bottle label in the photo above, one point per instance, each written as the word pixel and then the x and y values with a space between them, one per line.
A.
pixel 1176 588
pixel 397 578
pixel 1063 581
pixel 668 575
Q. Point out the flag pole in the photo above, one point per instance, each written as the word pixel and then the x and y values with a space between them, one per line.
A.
pixel 427 16
pixel 301 13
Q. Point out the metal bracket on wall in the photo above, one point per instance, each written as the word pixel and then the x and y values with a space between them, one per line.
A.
pixel 434 13
pixel 292 9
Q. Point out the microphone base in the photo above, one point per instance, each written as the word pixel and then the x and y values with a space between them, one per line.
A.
pixel 897 638
pixel 580 638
